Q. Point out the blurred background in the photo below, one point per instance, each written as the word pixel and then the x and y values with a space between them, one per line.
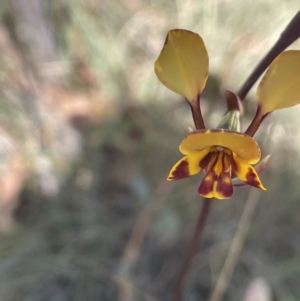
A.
pixel 88 136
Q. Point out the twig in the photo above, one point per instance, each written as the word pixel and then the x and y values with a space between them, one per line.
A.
pixel 192 249
pixel 236 245
pixel 288 36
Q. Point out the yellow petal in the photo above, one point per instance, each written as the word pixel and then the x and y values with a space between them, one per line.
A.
pixel 246 172
pixel 182 65
pixel 187 166
pixel 241 144
pixel 258 168
pixel 280 86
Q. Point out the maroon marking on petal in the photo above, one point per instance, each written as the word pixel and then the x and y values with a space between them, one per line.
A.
pixel 252 178
pixel 224 185
pixel 205 161
pixel 223 162
pixel 207 183
pixel 232 163
pixel 215 130
pixel 181 171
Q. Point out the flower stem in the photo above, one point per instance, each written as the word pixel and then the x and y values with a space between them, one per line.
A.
pixel 254 125
pixel 197 115
pixel 288 36
pixel 192 248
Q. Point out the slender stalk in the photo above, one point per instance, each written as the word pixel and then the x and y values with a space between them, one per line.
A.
pixel 256 122
pixel 192 248
pixel 197 115
pixel 288 36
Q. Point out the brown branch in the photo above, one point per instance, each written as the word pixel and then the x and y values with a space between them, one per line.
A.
pixel 288 36
pixel 256 122
pixel 192 248
pixel 197 115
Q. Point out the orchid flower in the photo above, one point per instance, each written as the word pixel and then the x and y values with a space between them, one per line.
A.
pixel 222 153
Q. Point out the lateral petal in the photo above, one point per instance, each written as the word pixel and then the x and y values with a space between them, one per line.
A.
pixel 246 173
pixel 259 168
pixel 187 166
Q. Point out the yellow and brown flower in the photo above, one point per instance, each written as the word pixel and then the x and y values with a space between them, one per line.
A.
pixel 222 155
